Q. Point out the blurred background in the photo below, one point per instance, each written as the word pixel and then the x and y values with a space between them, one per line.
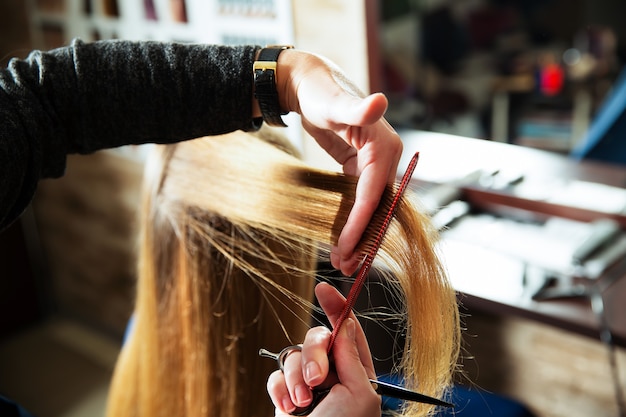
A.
pixel 528 72
pixel 521 168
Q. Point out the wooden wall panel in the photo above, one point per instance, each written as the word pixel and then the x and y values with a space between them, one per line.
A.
pixel 87 224
pixel 554 372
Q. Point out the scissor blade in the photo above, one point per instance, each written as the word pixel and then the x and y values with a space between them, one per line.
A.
pixel 394 391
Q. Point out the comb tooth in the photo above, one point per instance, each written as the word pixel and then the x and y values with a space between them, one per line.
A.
pixel 368 241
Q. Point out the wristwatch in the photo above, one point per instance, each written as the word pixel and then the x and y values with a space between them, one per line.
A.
pixel 265 84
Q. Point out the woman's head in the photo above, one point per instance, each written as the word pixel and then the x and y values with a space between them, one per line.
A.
pixel 232 229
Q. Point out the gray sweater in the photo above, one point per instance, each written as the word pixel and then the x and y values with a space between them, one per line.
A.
pixel 91 96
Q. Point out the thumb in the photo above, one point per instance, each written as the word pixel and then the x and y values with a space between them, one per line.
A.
pixel 350 369
pixel 357 111
pixel 331 300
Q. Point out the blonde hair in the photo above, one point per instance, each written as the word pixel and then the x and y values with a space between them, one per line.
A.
pixel 232 228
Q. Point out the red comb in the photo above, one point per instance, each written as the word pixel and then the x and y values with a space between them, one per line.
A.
pixel 369 258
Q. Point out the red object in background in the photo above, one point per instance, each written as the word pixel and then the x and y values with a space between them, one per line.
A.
pixel 551 79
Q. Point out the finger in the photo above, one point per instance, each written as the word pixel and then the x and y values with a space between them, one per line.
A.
pixel 299 391
pixel 348 365
pixel 377 165
pixel 351 110
pixel 350 369
pixel 369 190
pixel 333 131
pixel 279 394
pixel 315 356
pixel 329 140
pixel 332 302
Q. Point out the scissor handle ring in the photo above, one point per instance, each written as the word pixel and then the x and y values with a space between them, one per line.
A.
pixel 282 356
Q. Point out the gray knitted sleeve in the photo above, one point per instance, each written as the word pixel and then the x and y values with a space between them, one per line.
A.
pixel 91 96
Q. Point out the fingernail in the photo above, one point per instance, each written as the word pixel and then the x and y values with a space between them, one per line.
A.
pixel 350 328
pixel 334 257
pixel 312 372
pixel 287 405
pixel 303 394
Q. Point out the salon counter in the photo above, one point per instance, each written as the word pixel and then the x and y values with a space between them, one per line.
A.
pixel 508 181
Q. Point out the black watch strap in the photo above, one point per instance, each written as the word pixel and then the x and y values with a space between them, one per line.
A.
pixel 265 85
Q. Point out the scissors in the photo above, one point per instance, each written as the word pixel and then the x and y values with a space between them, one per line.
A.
pixel 382 388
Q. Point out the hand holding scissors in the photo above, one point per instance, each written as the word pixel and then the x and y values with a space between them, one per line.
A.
pixel 352 394
pixel 342 387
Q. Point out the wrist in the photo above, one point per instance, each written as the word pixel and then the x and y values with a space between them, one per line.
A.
pixel 285 70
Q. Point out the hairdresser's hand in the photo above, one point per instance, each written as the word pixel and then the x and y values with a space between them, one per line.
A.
pixel 353 396
pixel 350 127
